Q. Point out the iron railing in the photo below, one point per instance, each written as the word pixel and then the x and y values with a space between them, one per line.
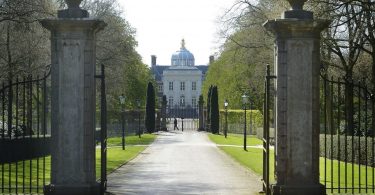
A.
pixel 266 132
pixel 25 135
pixel 103 131
pixel 347 136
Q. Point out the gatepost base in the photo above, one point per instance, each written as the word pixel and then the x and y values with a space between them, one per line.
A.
pixel 298 190
pixel 72 190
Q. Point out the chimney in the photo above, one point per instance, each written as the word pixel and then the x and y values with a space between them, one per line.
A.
pixel 153 60
pixel 212 59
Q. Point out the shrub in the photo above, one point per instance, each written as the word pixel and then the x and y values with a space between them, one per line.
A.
pixel 237 117
pixel 333 147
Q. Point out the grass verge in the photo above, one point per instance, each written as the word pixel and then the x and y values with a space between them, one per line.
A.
pixel 29 176
pixel 234 139
pixel 334 174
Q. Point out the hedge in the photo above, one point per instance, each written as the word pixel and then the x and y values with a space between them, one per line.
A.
pixel 237 117
pixel 359 148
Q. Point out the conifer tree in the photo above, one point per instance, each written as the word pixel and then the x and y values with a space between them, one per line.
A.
pixel 150 109
pixel 214 111
pixel 209 107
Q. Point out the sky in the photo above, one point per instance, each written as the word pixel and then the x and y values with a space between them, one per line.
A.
pixel 162 24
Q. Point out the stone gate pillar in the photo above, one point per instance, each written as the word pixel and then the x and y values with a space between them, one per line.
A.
pixel 297 66
pixel 73 101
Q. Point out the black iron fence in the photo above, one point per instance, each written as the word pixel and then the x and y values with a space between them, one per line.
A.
pixel 266 138
pixel 182 112
pixel 347 136
pixel 25 129
pixel 103 132
pixel 25 135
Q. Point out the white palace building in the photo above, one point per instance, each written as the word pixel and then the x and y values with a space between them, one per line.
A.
pixel 181 82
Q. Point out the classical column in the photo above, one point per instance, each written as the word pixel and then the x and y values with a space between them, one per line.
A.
pixel 297 66
pixel 73 101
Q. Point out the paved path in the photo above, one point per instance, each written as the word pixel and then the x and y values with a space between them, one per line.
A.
pixel 183 163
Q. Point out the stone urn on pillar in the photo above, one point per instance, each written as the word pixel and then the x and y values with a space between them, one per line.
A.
pixel 297 10
pixel 73 11
pixel 297 68
pixel 297 4
pixel 73 57
pixel 73 3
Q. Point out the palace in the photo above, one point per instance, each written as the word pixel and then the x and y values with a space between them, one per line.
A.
pixel 181 82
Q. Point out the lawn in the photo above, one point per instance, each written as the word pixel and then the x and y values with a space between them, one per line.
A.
pixel 35 177
pixel 235 139
pixel 253 160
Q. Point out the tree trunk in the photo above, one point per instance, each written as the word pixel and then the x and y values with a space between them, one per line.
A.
pixel 349 105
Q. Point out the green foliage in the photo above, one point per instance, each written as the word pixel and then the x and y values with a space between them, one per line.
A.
pixel 336 145
pixel 132 140
pixel 201 101
pixel 115 158
pixel 214 112
pixel 252 158
pixel 150 109
pixel 237 116
pixel 235 139
pixel 209 105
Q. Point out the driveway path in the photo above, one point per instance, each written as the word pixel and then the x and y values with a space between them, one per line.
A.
pixel 183 163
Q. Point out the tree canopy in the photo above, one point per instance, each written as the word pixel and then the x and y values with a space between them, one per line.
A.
pixel 25 46
pixel 347 45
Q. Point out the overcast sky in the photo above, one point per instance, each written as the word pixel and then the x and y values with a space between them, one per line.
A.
pixel 161 24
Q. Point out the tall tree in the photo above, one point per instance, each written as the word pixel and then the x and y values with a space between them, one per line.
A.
pixel 209 93
pixel 214 111
pixel 150 109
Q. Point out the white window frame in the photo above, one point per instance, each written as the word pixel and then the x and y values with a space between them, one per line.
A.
pixel 194 86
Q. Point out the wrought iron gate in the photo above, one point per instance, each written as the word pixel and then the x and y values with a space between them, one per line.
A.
pixel 266 132
pixel 103 131
pixel 25 135
pixel 347 136
pixel 186 116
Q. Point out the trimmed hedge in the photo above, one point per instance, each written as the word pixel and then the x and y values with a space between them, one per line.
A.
pixel 237 117
pixel 336 148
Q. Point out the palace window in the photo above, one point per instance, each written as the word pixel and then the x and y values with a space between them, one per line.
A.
pixel 160 87
pixel 182 86
pixel 194 102
pixel 194 86
pixel 170 86
pixel 170 101
pixel 182 101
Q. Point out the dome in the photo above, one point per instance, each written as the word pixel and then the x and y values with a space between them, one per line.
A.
pixel 183 57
